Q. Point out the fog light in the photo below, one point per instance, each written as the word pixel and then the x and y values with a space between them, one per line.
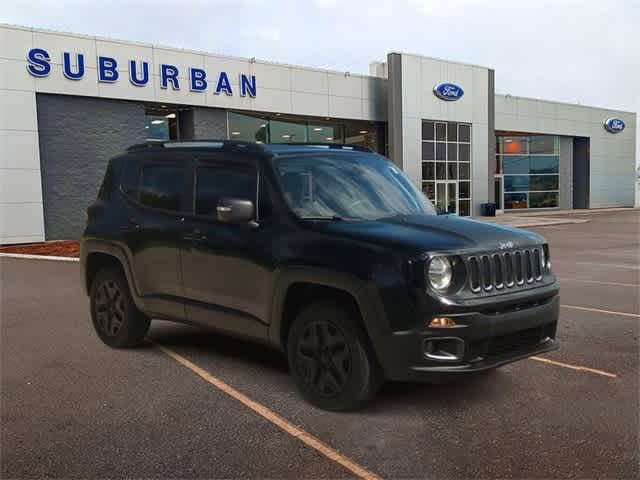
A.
pixel 442 322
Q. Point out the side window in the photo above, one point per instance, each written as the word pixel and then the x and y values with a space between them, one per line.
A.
pixel 162 186
pixel 215 183
pixel 130 177
pixel 107 182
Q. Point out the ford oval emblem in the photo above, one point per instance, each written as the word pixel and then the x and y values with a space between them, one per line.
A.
pixel 448 91
pixel 614 125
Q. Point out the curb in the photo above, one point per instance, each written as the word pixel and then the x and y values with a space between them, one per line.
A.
pixel 25 256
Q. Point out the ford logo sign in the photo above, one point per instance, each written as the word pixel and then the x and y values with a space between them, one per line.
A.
pixel 614 125
pixel 448 91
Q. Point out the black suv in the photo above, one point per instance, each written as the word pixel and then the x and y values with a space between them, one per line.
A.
pixel 326 252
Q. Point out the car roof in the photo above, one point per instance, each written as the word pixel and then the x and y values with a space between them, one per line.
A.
pixel 245 147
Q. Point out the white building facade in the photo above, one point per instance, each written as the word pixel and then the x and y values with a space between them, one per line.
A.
pixel 70 102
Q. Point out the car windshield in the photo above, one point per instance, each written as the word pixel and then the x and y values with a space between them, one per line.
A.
pixel 354 186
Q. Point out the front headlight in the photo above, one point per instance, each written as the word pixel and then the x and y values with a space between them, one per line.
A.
pixel 440 273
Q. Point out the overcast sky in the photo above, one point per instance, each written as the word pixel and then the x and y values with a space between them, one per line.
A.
pixel 583 51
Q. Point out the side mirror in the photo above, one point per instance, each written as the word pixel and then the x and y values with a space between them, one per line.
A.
pixel 235 210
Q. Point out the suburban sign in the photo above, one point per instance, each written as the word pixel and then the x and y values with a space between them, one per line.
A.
pixel 109 71
pixel 614 125
pixel 448 91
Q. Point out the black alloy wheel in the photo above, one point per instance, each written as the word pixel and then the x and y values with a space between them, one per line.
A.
pixel 115 317
pixel 324 358
pixel 331 358
pixel 110 308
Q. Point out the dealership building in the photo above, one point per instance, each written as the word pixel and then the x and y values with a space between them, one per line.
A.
pixel 69 102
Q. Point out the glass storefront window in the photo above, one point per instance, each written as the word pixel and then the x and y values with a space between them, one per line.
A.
pixel 156 127
pixel 246 128
pixel 516 183
pixel 516 164
pixel 464 133
pixel 428 132
pixel 544 164
pixel 464 171
pixel 543 182
pixel 428 170
pixel 530 165
pixel 541 144
pixel 464 152
pixel 287 132
pixel 275 128
pixel 515 201
pixel 513 145
pixel 446 155
pixel 428 151
pixel 325 134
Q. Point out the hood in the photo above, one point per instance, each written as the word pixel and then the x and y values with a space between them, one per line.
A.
pixel 434 233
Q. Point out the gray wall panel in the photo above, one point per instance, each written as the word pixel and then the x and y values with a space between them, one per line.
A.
pixel 491 110
pixel 566 172
pixel 77 137
pixel 394 108
pixel 209 123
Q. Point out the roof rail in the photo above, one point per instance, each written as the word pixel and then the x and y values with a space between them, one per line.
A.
pixel 332 146
pixel 213 144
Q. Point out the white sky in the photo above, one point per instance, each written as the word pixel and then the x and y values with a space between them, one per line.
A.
pixel 583 51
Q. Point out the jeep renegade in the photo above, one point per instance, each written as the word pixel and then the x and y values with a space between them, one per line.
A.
pixel 326 252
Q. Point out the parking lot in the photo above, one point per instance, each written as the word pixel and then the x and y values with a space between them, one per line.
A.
pixel 196 404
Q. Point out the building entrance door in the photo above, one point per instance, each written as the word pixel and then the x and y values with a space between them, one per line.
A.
pixel 447 196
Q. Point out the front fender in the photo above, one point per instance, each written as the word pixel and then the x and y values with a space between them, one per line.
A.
pixel 365 294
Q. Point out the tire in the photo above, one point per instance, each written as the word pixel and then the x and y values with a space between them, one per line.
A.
pixel 115 317
pixel 330 358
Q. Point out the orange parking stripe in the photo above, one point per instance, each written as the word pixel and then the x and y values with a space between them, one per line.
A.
pixel 273 417
pixel 574 367
pixel 597 310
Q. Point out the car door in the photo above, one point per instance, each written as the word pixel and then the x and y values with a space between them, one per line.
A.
pixel 227 271
pixel 157 193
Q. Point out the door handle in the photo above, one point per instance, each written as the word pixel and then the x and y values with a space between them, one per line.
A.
pixel 131 224
pixel 195 236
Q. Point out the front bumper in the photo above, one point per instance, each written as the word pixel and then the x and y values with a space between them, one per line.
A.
pixel 487 337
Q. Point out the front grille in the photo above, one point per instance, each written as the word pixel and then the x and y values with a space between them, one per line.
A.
pixel 505 270
pixel 512 343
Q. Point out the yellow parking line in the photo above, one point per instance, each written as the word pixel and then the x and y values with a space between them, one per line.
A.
pixel 273 417
pixel 597 310
pixel 574 367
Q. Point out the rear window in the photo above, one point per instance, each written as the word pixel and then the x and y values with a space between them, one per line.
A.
pixel 129 178
pixel 162 187
pixel 107 182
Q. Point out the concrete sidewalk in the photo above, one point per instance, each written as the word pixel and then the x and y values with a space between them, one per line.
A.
pixel 554 217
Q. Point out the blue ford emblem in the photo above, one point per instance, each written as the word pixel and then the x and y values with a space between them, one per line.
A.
pixel 448 91
pixel 614 125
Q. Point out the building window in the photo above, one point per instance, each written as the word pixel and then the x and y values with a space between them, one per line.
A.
pixel 530 168
pixel 161 122
pixel 446 165
pixel 273 128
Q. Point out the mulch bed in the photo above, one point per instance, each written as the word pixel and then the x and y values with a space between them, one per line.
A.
pixel 58 248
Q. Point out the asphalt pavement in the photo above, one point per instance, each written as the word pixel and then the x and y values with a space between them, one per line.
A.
pixel 71 407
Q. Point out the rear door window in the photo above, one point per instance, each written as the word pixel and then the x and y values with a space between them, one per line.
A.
pixel 162 186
